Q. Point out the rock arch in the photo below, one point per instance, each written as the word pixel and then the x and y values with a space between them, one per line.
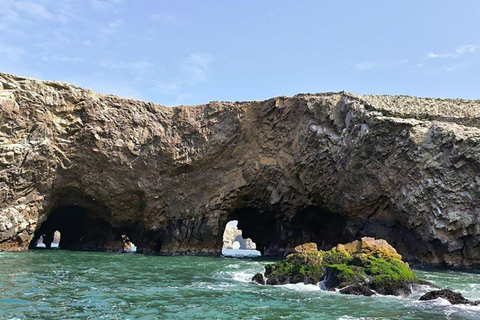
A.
pixel 83 222
pixel 313 167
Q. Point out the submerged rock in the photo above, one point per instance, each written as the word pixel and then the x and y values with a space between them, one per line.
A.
pixel 361 267
pixel 451 296
pixel 358 289
pixel 259 278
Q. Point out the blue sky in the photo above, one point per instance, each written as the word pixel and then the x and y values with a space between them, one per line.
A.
pixel 191 52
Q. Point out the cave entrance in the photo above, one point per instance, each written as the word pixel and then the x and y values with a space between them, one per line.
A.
pixel 234 245
pixel 263 226
pixel 78 221
pixel 276 233
pixel 319 225
pixel 74 227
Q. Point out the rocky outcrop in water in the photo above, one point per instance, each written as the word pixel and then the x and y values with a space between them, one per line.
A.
pixel 326 168
pixel 362 267
pixel 450 296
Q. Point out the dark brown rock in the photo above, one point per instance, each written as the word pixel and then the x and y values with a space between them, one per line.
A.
pixel 451 296
pixel 259 278
pixel 357 289
pixel 328 168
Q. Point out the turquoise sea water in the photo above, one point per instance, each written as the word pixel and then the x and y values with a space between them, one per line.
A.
pixel 56 284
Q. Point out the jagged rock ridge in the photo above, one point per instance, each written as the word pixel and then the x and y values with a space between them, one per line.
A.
pixel 326 168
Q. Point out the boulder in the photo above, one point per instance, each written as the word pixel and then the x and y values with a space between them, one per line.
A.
pixel 306 247
pixel 358 289
pixel 259 278
pixel 447 294
pixel 359 267
pixel 378 247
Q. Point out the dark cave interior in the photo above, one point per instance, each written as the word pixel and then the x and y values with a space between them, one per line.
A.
pixel 260 226
pixel 80 230
pixel 275 235
pixel 319 225
pixel 83 224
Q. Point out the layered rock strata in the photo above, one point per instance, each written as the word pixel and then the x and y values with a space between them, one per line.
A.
pixel 324 168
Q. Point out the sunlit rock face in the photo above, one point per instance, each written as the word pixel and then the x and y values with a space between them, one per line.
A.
pixel 324 168
pixel 232 235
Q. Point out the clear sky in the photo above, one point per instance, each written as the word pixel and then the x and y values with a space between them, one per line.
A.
pixel 191 52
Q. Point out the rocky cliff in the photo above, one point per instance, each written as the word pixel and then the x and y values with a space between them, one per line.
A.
pixel 324 168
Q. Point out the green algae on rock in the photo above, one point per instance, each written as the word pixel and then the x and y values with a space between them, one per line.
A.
pixel 359 267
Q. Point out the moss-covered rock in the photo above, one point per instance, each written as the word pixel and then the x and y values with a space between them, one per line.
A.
pixel 294 270
pixel 363 266
pixel 340 276
pixel 388 276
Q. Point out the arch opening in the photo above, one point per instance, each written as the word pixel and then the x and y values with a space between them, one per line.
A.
pixel 78 221
pixel 74 227
pixel 235 245
pixel 276 233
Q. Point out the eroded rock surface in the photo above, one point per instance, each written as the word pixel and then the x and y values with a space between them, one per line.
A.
pixel 325 168
pixel 370 245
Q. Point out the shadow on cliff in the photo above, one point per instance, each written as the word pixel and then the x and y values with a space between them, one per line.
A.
pixel 276 235
pixel 83 223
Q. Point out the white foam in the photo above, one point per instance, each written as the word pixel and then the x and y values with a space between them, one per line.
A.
pixel 133 248
pixel 242 276
pixel 301 287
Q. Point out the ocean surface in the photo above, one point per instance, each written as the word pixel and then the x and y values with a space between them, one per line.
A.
pixel 240 253
pixel 56 284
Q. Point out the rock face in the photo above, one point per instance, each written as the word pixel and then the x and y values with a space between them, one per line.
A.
pixel 324 168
